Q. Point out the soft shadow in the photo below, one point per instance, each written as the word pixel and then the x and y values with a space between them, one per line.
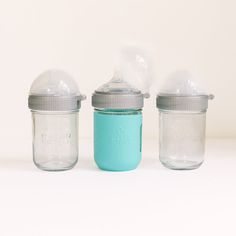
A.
pixel 149 163
pixel 17 164
pixel 11 164
pixel 86 164
pixel 83 164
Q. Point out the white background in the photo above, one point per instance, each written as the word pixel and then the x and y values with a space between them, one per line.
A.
pixel 82 38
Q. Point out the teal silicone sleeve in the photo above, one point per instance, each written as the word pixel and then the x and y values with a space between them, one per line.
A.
pixel 117 141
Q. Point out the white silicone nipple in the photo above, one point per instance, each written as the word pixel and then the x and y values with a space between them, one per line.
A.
pixel 135 66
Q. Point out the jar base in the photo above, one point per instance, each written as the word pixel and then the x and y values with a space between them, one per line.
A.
pixel 55 166
pixel 113 168
pixel 181 164
pixel 117 170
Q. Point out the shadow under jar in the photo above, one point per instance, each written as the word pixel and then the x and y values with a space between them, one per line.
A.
pixel 182 121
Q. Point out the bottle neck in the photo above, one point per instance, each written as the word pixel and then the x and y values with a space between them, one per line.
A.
pixel 119 111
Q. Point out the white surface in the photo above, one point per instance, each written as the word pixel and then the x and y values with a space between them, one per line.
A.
pixel 151 200
pixel 82 37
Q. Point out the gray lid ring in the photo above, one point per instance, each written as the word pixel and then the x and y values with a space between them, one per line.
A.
pixel 117 101
pixel 182 102
pixel 55 103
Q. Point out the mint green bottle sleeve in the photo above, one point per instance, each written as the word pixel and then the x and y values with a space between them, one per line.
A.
pixel 117 139
pixel 117 126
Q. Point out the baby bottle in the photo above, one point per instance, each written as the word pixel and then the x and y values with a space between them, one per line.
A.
pixel 54 101
pixel 118 116
pixel 182 117
pixel 117 126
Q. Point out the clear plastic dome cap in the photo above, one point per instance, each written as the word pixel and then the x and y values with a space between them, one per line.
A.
pixel 54 90
pixel 181 82
pixel 54 83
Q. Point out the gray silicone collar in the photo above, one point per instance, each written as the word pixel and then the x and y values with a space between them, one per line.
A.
pixel 55 103
pixel 182 102
pixel 118 100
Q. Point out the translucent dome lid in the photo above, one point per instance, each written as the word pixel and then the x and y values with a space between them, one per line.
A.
pixel 54 83
pixel 181 83
pixel 181 93
pixel 54 90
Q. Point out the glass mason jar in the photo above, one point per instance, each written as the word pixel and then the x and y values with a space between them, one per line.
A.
pixel 54 101
pixel 55 139
pixel 117 126
pixel 182 122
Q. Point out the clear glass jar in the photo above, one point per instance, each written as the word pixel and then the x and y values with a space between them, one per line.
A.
pixel 54 101
pixel 55 140
pixel 181 139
